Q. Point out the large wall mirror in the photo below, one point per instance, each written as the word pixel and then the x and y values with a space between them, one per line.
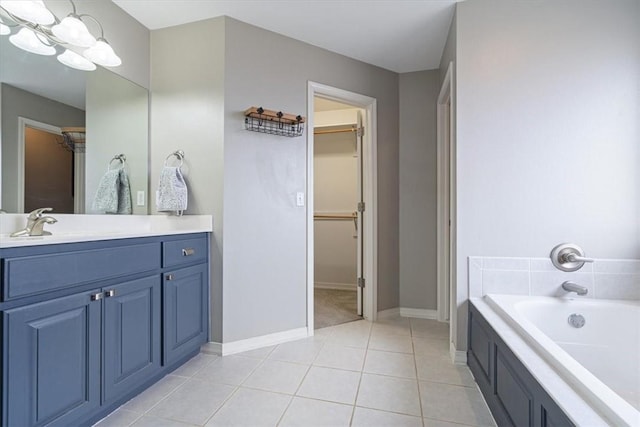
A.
pixel 62 129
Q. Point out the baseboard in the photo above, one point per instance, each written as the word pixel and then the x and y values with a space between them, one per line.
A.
pixel 392 312
pixel 336 286
pixel 418 313
pixel 225 349
pixel 457 357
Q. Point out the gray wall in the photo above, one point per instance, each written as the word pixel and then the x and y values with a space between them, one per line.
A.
pixel 264 231
pixel 418 189
pixel 117 121
pixel 187 112
pixel 19 103
pixel 547 130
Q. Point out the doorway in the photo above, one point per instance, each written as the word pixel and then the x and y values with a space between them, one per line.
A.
pixel 338 242
pixel 446 262
pixel 341 205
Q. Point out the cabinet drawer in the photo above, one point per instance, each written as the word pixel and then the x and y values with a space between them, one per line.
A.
pixel 185 251
pixel 31 275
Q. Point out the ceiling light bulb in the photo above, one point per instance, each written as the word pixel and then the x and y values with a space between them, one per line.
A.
pixel 30 10
pixel 73 31
pixel 27 40
pixel 102 54
pixel 4 30
pixel 73 60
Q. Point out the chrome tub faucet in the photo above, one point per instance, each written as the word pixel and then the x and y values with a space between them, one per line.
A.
pixel 35 224
pixel 574 287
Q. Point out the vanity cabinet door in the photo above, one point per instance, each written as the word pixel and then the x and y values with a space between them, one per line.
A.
pixel 131 335
pixel 185 311
pixel 51 370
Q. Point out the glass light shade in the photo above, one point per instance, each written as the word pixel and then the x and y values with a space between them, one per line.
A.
pixel 33 11
pixel 4 30
pixel 73 31
pixel 27 40
pixel 73 60
pixel 102 54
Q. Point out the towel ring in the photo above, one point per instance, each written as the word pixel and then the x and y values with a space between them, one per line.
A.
pixel 120 157
pixel 179 154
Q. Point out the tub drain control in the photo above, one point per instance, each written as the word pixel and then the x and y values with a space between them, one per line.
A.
pixel 577 320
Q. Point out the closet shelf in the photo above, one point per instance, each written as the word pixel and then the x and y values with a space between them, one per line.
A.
pixel 257 119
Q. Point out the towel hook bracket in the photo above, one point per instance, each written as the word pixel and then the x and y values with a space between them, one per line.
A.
pixel 178 154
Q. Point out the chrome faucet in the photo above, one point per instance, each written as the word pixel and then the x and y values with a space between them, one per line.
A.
pixel 35 224
pixel 574 287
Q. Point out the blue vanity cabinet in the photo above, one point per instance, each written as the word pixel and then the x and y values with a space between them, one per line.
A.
pixel 51 353
pixel 185 311
pixel 87 326
pixel 131 335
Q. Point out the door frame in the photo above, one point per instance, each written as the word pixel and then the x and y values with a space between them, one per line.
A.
pixel 370 177
pixel 23 123
pixel 446 172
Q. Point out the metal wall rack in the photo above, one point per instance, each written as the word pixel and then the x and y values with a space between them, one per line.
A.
pixel 257 119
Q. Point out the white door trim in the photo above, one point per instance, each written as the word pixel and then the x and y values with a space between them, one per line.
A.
pixel 370 175
pixel 446 237
pixel 22 124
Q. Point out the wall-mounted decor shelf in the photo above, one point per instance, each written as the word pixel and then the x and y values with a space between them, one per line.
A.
pixel 257 119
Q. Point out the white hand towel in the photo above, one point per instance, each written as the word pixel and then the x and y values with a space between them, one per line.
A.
pixel 172 191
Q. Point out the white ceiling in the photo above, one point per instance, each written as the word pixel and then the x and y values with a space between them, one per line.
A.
pixel 399 35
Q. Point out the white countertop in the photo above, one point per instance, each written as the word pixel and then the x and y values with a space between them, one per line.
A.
pixel 86 228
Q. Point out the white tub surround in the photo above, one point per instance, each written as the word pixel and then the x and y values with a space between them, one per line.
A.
pixel 604 278
pixel 84 228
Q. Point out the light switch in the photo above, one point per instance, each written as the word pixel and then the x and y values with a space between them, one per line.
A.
pixel 299 199
pixel 140 198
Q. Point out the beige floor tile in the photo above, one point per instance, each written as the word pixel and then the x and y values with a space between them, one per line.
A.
pixel 193 402
pixel 395 343
pixel 428 422
pixel 119 418
pixel 391 329
pixel 195 364
pixel 431 347
pixel 148 421
pixel 387 363
pixel 389 394
pixel 340 357
pixel 154 394
pixel 273 375
pixel 453 403
pixel 444 371
pixel 258 353
pixel 307 413
pixel 365 417
pixel 249 407
pixel 334 385
pixel 300 351
pixel 232 370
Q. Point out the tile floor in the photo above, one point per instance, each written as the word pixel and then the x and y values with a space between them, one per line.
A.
pixel 395 372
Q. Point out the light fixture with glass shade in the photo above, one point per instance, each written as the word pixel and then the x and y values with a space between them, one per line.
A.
pixel 41 32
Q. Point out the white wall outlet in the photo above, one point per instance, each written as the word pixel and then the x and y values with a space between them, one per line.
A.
pixel 141 201
pixel 300 199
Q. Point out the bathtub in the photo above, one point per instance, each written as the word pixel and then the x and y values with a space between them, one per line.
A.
pixel 600 360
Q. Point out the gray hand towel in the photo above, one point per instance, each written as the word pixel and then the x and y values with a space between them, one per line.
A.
pixel 172 191
pixel 113 194
pixel 124 193
pixel 106 199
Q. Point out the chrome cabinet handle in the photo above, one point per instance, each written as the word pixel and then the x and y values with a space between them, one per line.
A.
pixel 169 277
pixel 96 297
pixel 110 293
pixel 188 252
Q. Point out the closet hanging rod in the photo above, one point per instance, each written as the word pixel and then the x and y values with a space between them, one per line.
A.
pixel 335 216
pixel 322 132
